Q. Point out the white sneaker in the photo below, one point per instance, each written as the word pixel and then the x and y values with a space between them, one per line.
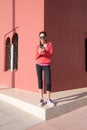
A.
pixel 50 102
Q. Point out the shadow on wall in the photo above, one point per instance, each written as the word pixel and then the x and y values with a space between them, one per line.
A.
pixel 67 62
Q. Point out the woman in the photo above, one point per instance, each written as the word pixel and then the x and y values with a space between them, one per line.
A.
pixel 44 53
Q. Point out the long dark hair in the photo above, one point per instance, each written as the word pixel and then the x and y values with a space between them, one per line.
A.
pixel 44 34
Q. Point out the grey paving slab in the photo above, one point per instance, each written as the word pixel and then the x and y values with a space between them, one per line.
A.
pixel 12 118
pixel 14 101
pixel 74 120
pixel 66 101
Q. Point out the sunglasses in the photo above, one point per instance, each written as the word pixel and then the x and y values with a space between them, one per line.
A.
pixel 42 37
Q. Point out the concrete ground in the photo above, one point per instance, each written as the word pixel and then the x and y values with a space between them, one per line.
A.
pixel 12 118
pixel 69 114
pixel 66 101
pixel 74 120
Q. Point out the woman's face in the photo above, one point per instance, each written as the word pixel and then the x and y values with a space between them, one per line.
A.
pixel 42 37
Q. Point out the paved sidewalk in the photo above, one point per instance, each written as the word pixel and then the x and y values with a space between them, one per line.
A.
pixel 16 106
pixel 12 118
pixel 75 120
pixel 66 101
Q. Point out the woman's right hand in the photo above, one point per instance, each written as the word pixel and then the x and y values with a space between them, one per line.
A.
pixel 41 50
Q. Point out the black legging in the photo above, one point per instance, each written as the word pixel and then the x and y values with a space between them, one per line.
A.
pixel 47 74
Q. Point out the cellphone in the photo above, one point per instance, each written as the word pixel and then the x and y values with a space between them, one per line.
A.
pixel 41 46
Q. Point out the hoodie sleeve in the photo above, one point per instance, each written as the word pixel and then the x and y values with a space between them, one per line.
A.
pixel 49 50
pixel 37 54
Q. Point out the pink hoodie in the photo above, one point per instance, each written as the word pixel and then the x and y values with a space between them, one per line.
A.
pixel 45 57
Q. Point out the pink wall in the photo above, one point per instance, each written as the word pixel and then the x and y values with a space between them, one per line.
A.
pixel 65 23
pixel 28 17
pixel 5 27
